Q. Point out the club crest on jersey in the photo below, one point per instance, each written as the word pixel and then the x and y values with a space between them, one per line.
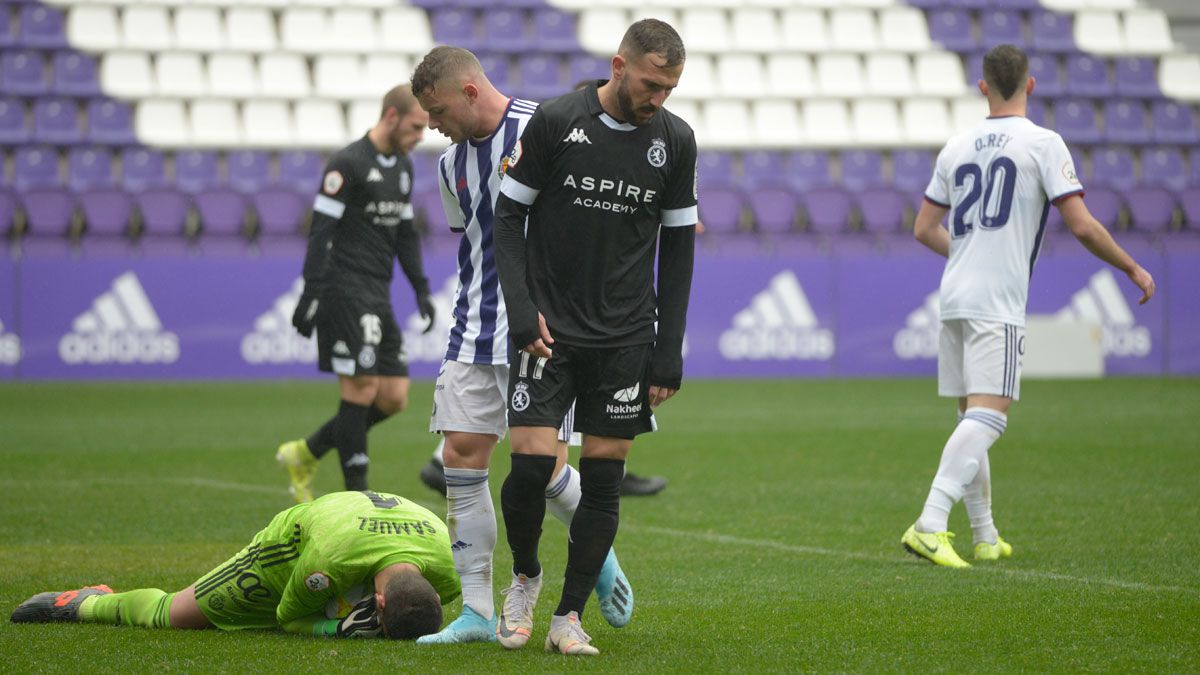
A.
pixel 520 397
pixel 333 182
pixel 405 181
pixel 510 160
pixel 366 357
pixel 657 154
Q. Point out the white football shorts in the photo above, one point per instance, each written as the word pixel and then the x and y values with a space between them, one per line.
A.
pixel 980 357
pixel 472 397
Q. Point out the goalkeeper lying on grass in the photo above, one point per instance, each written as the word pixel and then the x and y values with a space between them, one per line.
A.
pixel 304 573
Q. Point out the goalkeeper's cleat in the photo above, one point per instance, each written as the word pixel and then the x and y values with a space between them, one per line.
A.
pixel 433 475
pixel 301 467
pixel 515 623
pixel 56 605
pixel 614 592
pixel 468 627
pixel 566 636
pixel 933 546
pixel 996 551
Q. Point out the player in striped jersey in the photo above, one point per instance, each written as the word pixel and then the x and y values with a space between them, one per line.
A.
pixel 471 392
pixel 998 182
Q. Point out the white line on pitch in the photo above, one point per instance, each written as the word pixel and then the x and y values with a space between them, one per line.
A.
pixel 717 538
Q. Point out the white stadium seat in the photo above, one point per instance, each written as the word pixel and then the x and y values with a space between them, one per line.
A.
pixel 321 124
pixel 707 30
pixel 364 113
pixel 940 74
pixel 305 30
pixel 1179 76
pixel 876 121
pixel 925 121
pixel 728 124
pixel 1147 32
pixel 1111 4
pixel 790 76
pixel 966 113
pixel 904 29
pixel 405 30
pixel 805 30
pixel 828 123
pixel 1099 31
pixel 776 123
pixel 601 28
pixel 889 74
pixel 354 30
pixel 180 74
pixel 384 71
pixel 756 30
pixel 689 112
pixel 250 29
pixel 126 75
pixel 1065 5
pixel 339 76
pixel 283 75
pixel 232 75
pixel 215 123
pixel 840 75
pixel 699 79
pixel 145 28
pixel 740 76
pixel 93 27
pixel 199 29
pixel 854 30
pixel 161 122
pixel 268 124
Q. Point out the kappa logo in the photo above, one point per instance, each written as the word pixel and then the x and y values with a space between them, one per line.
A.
pixel 577 136
pixel 10 348
pixel 273 340
pixel 1102 301
pixel 779 324
pixel 340 348
pixel 919 337
pixel 357 459
pixel 373 176
pixel 121 327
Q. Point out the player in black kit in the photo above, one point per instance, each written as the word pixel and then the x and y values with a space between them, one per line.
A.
pixel 362 220
pixel 604 175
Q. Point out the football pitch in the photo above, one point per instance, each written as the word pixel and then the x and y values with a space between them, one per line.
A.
pixel 774 548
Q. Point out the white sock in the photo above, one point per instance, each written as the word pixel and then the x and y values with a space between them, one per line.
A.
pixel 978 500
pixel 440 450
pixel 562 494
pixel 964 453
pixel 472 522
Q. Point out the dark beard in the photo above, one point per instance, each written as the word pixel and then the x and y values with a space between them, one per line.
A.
pixel 625 103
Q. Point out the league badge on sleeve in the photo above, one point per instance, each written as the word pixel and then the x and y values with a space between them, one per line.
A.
pixel 1068 172
pixel 333 182
pixel 317 582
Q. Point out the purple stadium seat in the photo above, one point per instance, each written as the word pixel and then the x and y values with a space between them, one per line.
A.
pixel 882 210
pixel 56 121
pixel 453 26
pixel 762 168
pixel 142 169
pixel 1088 76
pixel 1164 168
pixel 541 77
pixel 1075 119
pixel 828 210
pixel 1000 27
pixel 110 122
pixel 952 29
pixel 1126 122
pixel 499 70
pixel 504 30
pixel 196 171
pixel 1151 209
pixel 48 211
pixel 584 67
pixel 1082 170
pixel 89 168
pixel 1046 69
pixel 1113 168
pixel 1105 206
pixel 1052 32
pixel 14 129
pixel 1036 112
pixel 42 27
pixel 971 4
pixel 861 170
pixel 222 211
pixel 808 169
pixel 164 211
pixel 1174 123
pixel 715 169
pixel 429 205
pixel 425 171
pixel 249 171
pixel 721 210
pixel 36 167
pixel 23 73
pixel 911 170
pixel 555 30
pixel 8 210
pixel 1137 77
pixel 279 211
pixel 7 37
pixel 75 75
pixel 301 171
pixel 974 70
pixel 1189 199
pixel 106 211
pixel 1195 167
pixel 773 209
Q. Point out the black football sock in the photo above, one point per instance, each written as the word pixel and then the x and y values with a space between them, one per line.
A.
pixel 322 440
pixel 523 500
pixel 350 437
pixel 593 530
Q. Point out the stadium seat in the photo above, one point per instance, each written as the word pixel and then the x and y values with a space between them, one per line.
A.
pixel 1035 110
pixel 1151 209
pixel 967 113
pixel 807 169
pixel 1174 123
pixel 715 169
pixel 222 212
pixel 14 128
pixel 939 74
pixel 110 122
pixel 1126 121
pixel 925 121
pixel 250 29
pixel 180 74
pixel 1099 31
pixel 233 76
pixel 410 22
pixel 145 28
pixel 773 210
pixel 164 211
pixel 911 170
pixel 300 171
pixel 35 166
pixel 429 205
pixel 952 29
pixel 49 211
pixel 876 121
pixel 756 29
pixel 1088 76
pixel 882 210
pixel 280 75
pixel 1147 32
pixel 555 30
pixel 198 28
pixel 600 28
pixel 804 30
pixel 582 67
pixel 8 210
pixel 1189 201
pixel 309 30
pixel 740 76
pixel 354 30
pixel 1000 26
pixel 776 123
pixel 106 211
pixel 840 75
pixel 1052 32
pixel 215 123
pixel 1164 167
pixel 790 76
pixel 763 168
pixel 320 124
pixel 23 73
pixel 142 169
pixel 268 123
pixel 1105 206
pixel 1075 120
pixel 541 76
pixel 1179 76
pixel 728 123
pixel 1113 168
pixel 197 171
pixel 126 74
pixel 89 167
pixel 830 123
pixel 56 121
pixel 8 39
pixel 828 210
pixel 455 26
pixel 75 75
pixel 93 28
pixel 699 79
pixel 853 29
pixel 364 113
pixel 903 29
pixel 279 210
pixel 340 76
pixel 504 30
pixel 1044 68
pixel 721 209
pixel 384 71
pixel 861 170
pixel 707 30
pixel 499 69
pixel 42 27
pixel 890 74
pixel 249 170
pixel 1136 77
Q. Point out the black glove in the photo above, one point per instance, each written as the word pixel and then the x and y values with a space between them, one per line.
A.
pixel 425 307
pixel 306 313
pixel 362 621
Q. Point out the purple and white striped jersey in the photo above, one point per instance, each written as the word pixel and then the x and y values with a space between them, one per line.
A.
pixel 469 177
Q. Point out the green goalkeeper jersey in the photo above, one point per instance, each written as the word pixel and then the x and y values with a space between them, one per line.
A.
pixel 316 551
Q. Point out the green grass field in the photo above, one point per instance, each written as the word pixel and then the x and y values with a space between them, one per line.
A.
pixel 774 548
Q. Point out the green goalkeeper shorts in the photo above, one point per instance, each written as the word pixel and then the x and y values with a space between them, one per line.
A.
pixel 237 594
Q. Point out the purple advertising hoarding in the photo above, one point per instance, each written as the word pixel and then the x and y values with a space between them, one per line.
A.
pixel 10 328
pixel 1183 307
